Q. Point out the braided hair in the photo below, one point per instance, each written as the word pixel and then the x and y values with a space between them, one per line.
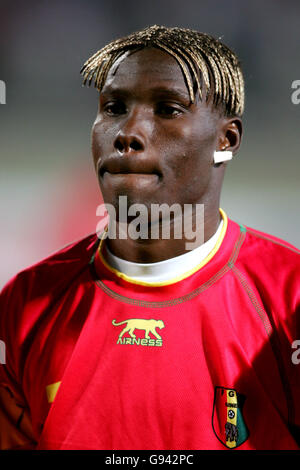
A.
pixel 208 65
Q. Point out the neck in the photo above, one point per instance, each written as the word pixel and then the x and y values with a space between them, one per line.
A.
pixel 154 250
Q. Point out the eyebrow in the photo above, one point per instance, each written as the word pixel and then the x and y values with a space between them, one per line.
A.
pixel 163 92
pixel 171 92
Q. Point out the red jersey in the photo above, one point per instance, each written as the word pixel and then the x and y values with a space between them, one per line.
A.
pixel 95 360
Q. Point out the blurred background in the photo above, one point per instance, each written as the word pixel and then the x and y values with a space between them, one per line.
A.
pixel 48 189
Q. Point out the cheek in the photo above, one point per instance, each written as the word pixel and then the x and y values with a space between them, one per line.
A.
pixel 190 151
pixel 203 138
pixel 94 147
pixel 100 138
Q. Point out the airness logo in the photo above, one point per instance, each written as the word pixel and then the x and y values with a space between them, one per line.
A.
pixel 149 326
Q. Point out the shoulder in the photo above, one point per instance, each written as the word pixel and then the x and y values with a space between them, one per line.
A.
pixel 260 251
pixel 267 252
pixel 28 299
pixel 270 266
pixel 48 277
pixel 270 243
pixel 68 259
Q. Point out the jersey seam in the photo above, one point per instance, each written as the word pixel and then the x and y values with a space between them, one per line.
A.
pixel 258 308
pixel 264 237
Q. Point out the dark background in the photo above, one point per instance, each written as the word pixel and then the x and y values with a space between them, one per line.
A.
pixel 48 189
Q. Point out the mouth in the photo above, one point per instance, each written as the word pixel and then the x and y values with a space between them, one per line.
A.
pixel 131 179
pixel 127 173
pixel 127 169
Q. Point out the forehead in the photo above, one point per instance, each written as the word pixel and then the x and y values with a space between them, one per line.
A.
pixel 145 67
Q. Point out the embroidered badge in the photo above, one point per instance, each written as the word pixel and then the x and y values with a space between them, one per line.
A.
pixel 227 420
pixel 149 326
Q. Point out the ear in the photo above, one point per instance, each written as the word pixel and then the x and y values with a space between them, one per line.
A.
pixel 230 134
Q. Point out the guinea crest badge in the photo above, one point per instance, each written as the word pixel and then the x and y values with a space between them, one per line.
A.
pixel 227 420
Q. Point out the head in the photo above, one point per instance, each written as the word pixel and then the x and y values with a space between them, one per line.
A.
pixel 169 97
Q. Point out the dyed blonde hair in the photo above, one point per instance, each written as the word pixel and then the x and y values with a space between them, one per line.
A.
pixel 205 61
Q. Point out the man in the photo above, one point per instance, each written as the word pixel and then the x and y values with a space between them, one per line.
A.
pixel 136 342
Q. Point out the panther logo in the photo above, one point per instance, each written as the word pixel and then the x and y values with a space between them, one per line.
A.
pixel 140 324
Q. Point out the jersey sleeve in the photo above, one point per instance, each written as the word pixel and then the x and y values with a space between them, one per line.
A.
pixel 15 423
pixel 273 266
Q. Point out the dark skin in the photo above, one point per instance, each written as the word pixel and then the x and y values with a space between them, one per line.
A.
pixel 150 143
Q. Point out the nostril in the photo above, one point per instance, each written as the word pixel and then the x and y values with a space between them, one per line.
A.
pixel 119 146
pixel 124 144
pixel 135 145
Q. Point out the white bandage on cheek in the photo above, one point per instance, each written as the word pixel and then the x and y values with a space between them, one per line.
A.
pixel 223 156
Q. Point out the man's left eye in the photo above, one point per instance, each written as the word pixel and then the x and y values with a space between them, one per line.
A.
pixel 168 110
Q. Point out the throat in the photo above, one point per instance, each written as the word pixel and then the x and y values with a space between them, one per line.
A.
pixel 165 270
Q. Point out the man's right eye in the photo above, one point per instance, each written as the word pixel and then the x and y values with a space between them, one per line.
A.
pixel 114 108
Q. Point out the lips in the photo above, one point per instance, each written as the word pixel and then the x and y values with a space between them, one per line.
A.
pixel 128 165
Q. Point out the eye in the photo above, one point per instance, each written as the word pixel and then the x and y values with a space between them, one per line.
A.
pixel 168 110
pixel 114 108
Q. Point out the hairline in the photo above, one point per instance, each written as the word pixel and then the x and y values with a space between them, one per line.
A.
pixel 219 108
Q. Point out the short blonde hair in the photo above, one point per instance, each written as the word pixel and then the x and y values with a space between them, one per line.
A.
pixel 214 68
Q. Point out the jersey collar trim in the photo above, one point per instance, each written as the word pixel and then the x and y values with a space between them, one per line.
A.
pixel 100 257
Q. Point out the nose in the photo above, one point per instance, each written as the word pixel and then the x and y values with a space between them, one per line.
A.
pixel 126 143
pixel 131 137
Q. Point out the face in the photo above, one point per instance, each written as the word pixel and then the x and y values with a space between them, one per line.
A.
pixel 148 141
